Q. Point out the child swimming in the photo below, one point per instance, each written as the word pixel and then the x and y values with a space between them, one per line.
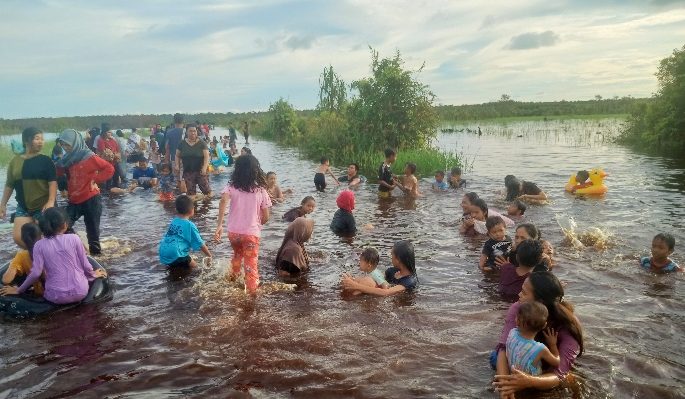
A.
pixel 663 245
pixel 343 222
pixel 274 190
pixel 368 262
pixel 167 183
pixel 523 352
pixel 440 184
pixel 401 276
pixel 306 207
pixel 182 236
pixel 581 180
pixel 455 179
pixel 320 175
pixel 409 185
pixel 20 265
pixel 517 208
pixel 498 244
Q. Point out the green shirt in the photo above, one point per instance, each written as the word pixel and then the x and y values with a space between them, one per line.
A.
pixel 30 179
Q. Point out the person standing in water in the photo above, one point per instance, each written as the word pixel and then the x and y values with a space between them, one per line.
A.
pixel 386 182
pixel 246 132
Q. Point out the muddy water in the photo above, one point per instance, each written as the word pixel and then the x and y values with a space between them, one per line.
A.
pixel 201 337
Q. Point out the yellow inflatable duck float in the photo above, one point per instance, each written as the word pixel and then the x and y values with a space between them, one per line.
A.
pixel 595 187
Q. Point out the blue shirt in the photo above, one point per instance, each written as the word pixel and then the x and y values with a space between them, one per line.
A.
pixel 646 264
pixel 180 238
pixel 149 172
pixel 409 282
pixel 443 185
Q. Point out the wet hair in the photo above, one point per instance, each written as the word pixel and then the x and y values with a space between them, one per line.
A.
pixel 28 134
pixel 184 204
pixel 471 196
pixel 247 150
pixel 529 254
pixel 520 205
pixel 666 238
pixel 493 221
pixel 52 221
pixel 582 176
pixel 306 199
pixel 247 174
pixel 178 118
pixel 513 186
pixel 30 234
pixel 356 166
pixel 324 160
pixel 404 252
pixel 533 232
pixel 269 173
pixel 371 256
pixel 456 171
pixel 440 173
pixel 548 290
pixel 412 167
pixel 480 203
pixel 389 152
pixel 532 316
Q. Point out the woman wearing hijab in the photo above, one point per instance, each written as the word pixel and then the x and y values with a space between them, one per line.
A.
pixel 343 222
pixel 84 171
pixel 292 257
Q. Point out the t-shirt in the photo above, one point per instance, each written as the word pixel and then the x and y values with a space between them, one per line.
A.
pixel 161 141
pixel 30 178
pixel 81 176
pixel 293 214
pixel 378 277
pixel 510 283
pixel 192 156
pixel 493 249
pixel 180 238
pixel 173 139
pixel 167 183
pixel 521 353
pixel 459 184
pixel 671 266
pixel 148 172
pixel 343 222
pixel 21 264
pixel 384 174
pixel 443 185
pixel 245 210
pixel 409 282
pixel 530 188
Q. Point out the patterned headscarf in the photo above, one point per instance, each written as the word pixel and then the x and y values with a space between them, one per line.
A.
pixel 79 150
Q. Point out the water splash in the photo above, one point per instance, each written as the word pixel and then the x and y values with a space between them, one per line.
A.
pixel 593 237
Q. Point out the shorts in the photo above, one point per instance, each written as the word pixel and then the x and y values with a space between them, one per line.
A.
pixel 320 181
pixel 181 262
pixel 167 196
pixel 20 212
pixel 193 179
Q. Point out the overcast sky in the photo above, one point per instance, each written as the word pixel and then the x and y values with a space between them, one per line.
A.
pixel 85 57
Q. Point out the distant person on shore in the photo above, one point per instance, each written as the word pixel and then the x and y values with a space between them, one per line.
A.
pixel 343 222
pixel 292 257
pixel 33 177
pixel 84 171
pixel 368 264
pixel 409 184
pixel 320 175
pixel 306 207
pixel 275 193
pixel 523 190
pixel 352 178
pixel 498 244
pixel 663 246
pixel 440 184
pixel 246 132
pixel 232 136
pixel 386 181
pixel 249 210
pixel 401 276
pixel 182 236
pixel 455 179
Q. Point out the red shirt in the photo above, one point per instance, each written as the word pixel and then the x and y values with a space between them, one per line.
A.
pixel 108 143
pixel 83 174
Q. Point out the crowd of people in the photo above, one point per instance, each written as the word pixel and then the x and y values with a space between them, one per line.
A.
pixel 541 337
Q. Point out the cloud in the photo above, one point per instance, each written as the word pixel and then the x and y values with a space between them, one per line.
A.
pixel 299 42
pixel 533 40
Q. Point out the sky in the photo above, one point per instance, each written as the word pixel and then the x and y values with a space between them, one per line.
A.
pixel 90 57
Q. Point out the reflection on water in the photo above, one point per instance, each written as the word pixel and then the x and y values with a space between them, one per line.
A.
pixel 197 335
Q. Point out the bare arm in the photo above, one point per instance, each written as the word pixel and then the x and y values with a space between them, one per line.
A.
pixel 481 263
pixel 205 250
pixel 264 215
pixel 551 358
pixel 330 172
pixel 9 275
pixel 350 283
pixel 205 161
pixel 5 198
pixel 225 198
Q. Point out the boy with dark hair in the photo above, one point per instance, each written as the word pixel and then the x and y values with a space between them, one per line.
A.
pixel 517 208
pixel 320 176
pixel 498 244
pixel 386 182
pixel 663 245
pixel 182 236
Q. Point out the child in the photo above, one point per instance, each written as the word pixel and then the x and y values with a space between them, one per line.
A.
pixel 386 181
pixel 320 176
pixel 466 204
pixel 455 178
pixel 476 223
pixel 440 183
pixel 154 156
pixel 663 245
pixel 166 183
pixel 182 236
pixel 343 222
pixel 401 277
pixel 63 257
pixel 20 266
pixel 249 210
pixel 144 175
pixel 529 258
pixel 498 244
pixel 548 254
pixel 581 180
pixel 306 207
pixel 410 185
pixel 368 262
pixel 517 208
pixel 292 257
pixel 275 192
pixel 523 352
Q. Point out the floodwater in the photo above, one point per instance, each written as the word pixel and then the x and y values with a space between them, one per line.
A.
pixel 201 337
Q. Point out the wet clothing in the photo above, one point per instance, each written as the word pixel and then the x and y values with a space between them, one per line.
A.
pixel 167 183
pixel 81 174
pixel 459 184
pixel 646 264
pixel 343 222
pixel 530 188
pixel 30 178
pixel 521 353
pixel 384 174
pixel 378 278
pixel 148 172
pixel 347 179
pixel 493 249
pixel 408 282
pixel 21 265
pixel 91 210
pixel 192 156
pixel 320 181
pixel 245 253
pixel 442 185
pixel 181 236
pixel 510 283
pixel 194 180
pixel 181 262
pixel 67 270
pixel 293 214
pixel 173 139
pixel 245 210
pixel 292 251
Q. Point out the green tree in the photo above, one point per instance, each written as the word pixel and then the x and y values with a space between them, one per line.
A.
pixel 283 123
pixel 332 91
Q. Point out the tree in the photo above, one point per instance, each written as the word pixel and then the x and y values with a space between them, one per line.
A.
pixel 505 98
pixel 332 91
pixel 283 124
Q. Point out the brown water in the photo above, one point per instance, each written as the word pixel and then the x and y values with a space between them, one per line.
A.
pixel 201 337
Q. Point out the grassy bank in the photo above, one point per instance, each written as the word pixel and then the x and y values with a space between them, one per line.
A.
pixel 511 119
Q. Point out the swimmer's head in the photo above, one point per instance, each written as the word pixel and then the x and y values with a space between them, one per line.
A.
pixel 455 172
pixel 497 229
pixel 529 254
pixel 368 260
pixel 531 317
pixel 142 163
pixel 403 254
pixel 271 179
pixel 308 204
pixel 166 168
pixel 663 245
pixel 325 161
pixel 352 169
pixel 439 176
pixel 468 200
pixel 582 176
pixel 517 208
pixel 479 210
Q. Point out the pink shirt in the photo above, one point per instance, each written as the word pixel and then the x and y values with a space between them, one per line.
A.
pixel 245 209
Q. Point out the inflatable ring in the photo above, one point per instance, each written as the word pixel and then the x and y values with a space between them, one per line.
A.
pixel 23 306
pixel 596 188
